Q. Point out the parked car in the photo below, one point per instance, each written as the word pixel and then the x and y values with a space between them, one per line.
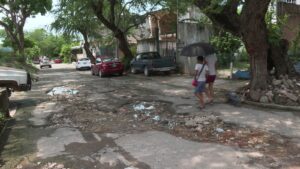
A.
pixel 45 63
pixel 57 60
pixel 149 62
pixel 107 66
pixel 16 79
pixel 83 63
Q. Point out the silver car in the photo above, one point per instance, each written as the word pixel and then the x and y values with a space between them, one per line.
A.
pixel 45 63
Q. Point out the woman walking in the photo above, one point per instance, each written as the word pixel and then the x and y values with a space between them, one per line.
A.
pixel 200 76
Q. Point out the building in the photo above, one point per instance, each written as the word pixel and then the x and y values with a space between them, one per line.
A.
pixel 158 33
pixel 292 1
pixel 163 31
pixel 291 10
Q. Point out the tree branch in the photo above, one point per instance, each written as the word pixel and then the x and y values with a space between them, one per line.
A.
pixel 112 11
pixel 122 11
pixel 228 17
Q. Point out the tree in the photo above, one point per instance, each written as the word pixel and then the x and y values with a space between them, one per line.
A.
pixel 118 16
pixel 73 17
pixel 66 53
pixel 225 44
pixel 15 14
pixel 49 44
pixel 32 52
pixel 250 25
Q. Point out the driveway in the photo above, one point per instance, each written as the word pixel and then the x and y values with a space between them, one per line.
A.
pixel 137 122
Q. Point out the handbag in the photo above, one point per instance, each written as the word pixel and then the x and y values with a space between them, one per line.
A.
pixel 195 80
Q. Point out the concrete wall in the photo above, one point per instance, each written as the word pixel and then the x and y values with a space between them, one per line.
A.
pixel 189 33
pixel 167 48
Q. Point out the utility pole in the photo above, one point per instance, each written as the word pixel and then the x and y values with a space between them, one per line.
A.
pixel 177 23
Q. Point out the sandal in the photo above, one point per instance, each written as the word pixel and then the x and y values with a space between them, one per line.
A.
pixel 210 101
pixel 201 107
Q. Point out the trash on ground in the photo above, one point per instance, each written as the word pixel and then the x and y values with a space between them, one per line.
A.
pixel 233 98
pixel 143 106
pixel 62 91
pixel 220 130
pixel 156 118
pixel 242 75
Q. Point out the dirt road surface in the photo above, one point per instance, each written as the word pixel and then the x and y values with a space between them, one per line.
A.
pixel 137 122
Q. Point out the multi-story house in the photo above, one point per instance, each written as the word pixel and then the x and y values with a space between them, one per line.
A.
pixel 163 31
pixel 291 10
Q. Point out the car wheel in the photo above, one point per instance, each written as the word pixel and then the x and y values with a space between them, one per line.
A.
pixel 146 71
pixel 121 74
pixel 167 73
pixel 29 81
pixel 133 70
pixel 50 66
pixel 41 67
pixel 100 74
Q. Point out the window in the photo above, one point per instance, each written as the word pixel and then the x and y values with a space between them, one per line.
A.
pixel 289 1
pixel 139 57
pixel 98 60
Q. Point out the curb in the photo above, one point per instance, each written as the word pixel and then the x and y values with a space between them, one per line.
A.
pixel 273 106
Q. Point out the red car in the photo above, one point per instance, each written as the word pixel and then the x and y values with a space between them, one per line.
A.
pixel 57 60
pixel 107 66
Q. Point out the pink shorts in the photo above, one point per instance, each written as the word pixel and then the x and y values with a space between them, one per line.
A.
pixel 210 78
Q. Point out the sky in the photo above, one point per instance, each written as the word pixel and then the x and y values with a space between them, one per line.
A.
pixel 40 21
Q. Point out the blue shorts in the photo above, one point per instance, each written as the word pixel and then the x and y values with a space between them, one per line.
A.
pixel 200 87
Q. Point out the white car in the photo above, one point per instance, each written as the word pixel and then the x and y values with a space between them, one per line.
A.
pixel 83 63
pixel 16 79
pixel 45 63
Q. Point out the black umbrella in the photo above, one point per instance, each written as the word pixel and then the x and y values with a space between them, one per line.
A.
pixel 197 49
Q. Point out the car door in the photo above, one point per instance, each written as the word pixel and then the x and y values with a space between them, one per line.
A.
pixel 144 60
pixel 96 66
pixel 136 62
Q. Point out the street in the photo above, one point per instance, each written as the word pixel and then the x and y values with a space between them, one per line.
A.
pixel 138 122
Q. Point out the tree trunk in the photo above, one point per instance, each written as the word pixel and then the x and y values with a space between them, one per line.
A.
pixel 21 43
pixel 111 25
pixel 86 47
pixel 278 58
pixel 123 44
pixel 255 36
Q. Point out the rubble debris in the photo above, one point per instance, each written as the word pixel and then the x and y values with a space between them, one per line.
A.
pixel 62 91
pixel 283 91
pixel 264 99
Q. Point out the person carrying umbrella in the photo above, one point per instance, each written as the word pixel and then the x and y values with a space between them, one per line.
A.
pixel 204 49
pixel 211 61
pixel 200 76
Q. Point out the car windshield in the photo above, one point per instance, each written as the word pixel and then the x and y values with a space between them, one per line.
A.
pixel 108 59
pixel 150 55
pixel 84 59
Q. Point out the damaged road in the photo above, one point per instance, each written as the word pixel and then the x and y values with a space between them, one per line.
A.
pixel 136 122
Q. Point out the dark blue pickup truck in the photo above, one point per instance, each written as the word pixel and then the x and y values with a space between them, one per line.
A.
pixel 149 62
